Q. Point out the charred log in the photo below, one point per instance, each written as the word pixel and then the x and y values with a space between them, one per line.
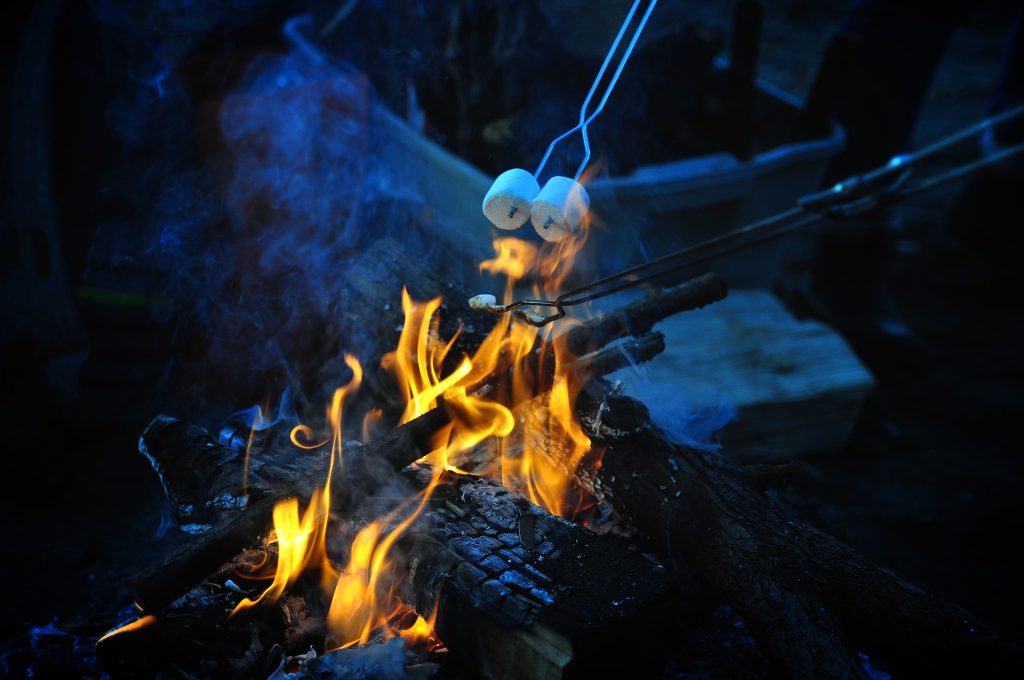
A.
pixel 187 460
pixel 519 592
pixel 199 473
pixel 563 594
pixel 809 600
pixel 638 317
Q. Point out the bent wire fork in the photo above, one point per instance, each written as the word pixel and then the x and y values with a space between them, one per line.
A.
pixel 883 186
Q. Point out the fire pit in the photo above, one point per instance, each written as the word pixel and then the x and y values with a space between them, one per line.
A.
pixel 507 511
pixel 365 549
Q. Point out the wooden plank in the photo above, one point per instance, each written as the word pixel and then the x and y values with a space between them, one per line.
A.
pixel 795 385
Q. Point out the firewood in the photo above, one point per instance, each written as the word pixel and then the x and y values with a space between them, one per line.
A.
pixel 639 316
pixel 165 581
pixel 519 592
pixel 809 600
pixel 569 594
pixel 539 648
pixel 398 449
pixel 796 385
pixel 188 460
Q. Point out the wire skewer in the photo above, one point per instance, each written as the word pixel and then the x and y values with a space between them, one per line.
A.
pixel 883 186
pixel 586 120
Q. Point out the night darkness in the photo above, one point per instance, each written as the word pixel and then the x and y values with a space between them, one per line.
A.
pixel 209 210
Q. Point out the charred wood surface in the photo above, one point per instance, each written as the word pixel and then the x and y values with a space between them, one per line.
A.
pixel 203 479
pixel 810 601
pixel 188 460
pixel 525 594
pixel 519 591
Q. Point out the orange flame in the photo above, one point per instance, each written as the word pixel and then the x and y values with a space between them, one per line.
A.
pixel 299 545
pixel 370 421
pixel 417 365
pixel 364 598
pixel 143 621
pixel 540 459
pixel 479 414
pixel 538 455
pixel 418 359
pixel 421 632
pixel 302 542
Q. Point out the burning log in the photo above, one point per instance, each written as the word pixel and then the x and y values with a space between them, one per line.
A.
pixel 519 591
pixel 202 479
pixel 567 593
pixel 157 587
pixel 805 596
pixel 189 460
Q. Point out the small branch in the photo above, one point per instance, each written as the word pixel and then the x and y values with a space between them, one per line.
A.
pixel 639 317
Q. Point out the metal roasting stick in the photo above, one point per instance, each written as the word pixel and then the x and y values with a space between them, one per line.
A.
pixel 883 186
pixel 557 209
pixel 586 120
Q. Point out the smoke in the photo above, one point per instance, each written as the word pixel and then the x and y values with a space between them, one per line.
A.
pixel 696 426
pixel 688 420
pixel 243 209
pixel 254 419
pixel 296 138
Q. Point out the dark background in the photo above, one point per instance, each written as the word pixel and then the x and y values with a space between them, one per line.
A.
pixel 94 133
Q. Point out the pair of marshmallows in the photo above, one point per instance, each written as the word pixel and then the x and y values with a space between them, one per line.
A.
pixel 556 211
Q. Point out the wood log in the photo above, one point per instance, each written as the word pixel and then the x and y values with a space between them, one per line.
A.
pixel 809 600
pixel 220 468
pixel 410 442
pixel 159 584
pixel 189 461
pixel 200 462
pixel 567 593
pixel 521 593
pixel 639 316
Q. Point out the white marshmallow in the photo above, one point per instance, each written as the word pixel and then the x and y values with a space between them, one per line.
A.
pixel 507 203
pixel 558 209
pixel 483 302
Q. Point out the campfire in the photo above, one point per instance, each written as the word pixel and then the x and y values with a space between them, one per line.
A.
pixel 508 510
pixel 476 495
pixel 473 489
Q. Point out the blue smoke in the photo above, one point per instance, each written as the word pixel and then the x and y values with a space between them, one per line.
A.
pixel 253 229
pixel 692 424
pixel 254 418
pixel 696 426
